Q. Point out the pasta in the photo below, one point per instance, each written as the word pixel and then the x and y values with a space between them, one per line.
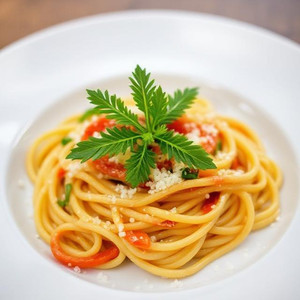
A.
pixel 171 226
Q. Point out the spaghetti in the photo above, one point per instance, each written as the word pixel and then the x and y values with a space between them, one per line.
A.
pixel 170 226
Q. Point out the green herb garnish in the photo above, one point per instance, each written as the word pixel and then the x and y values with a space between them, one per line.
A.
pixel 218 147
pixel 159 109
pixel 88 113
pixel 65 140
pixel 68 188
pixel 188 173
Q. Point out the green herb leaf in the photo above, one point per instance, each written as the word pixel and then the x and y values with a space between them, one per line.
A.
pixel 88 113
pixel 188 173
pixel 158 109
pixel 114 142
pixel 65 140
pixel 183 150
pixel 63 203
pixel 179 103
pixel 114 108
pixel 139 164
pixel 143 90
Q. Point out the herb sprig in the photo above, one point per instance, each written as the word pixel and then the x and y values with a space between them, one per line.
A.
pixel 159 109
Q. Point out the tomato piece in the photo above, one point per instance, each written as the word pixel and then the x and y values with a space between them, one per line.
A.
pixel 61 173
pixel 208 203
pixel 137 238
pixel 97 126
pixel 82 262
pixel 167 223
pixel 180 125
pixel 110 168
pixel 207 132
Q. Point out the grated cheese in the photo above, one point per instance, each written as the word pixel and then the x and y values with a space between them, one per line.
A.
pixel 176 284
pixel 207 196
pixel 153 238
pixel 77 269
pixel 162 179
pixel 125 192
pixel 223 172
pixel 122 234
pixel 113 198
pixel 173 210
pixel 132 220
pixel 194 136
pixel 75 167
pixel 96 220
pixel 221 155
pixel 120 227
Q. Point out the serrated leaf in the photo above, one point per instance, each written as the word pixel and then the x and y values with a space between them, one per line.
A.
pixel 114 142
pixel 158 108
pixel 139 164
pixel 178 146
pixel 114 108
pixel 177 104
pixel 143 90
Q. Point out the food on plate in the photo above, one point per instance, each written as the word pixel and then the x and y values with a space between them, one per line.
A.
pixel 162 180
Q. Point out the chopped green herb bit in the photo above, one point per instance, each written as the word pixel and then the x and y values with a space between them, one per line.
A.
pixel 188 173
pixel 90 112
pixel 219 145
pixel 68 188
pixel 66 140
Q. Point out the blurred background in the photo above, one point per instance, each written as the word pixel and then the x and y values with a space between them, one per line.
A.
pixel 19 18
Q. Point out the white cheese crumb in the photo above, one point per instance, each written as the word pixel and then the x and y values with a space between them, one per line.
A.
pixel 153 238
pixel 224 155
pixel 74 167
pixel 102 277
pixel 77 269
pixel 96 220
pixel 21 184
pixel 176 284
pixel 99 175
pixel 207 196
pixel 96 134
pixel 162 179
pixel 75 136
pixel 125 192
pixel 173 210
pixel 132 220
pixel 108 223
pixel 113 198
pixel 120 227
pixel 122 234
pixel 213 206
pixel 223 172
pixel 194 136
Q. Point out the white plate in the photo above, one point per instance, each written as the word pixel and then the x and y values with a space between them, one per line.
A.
pixel 43 78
